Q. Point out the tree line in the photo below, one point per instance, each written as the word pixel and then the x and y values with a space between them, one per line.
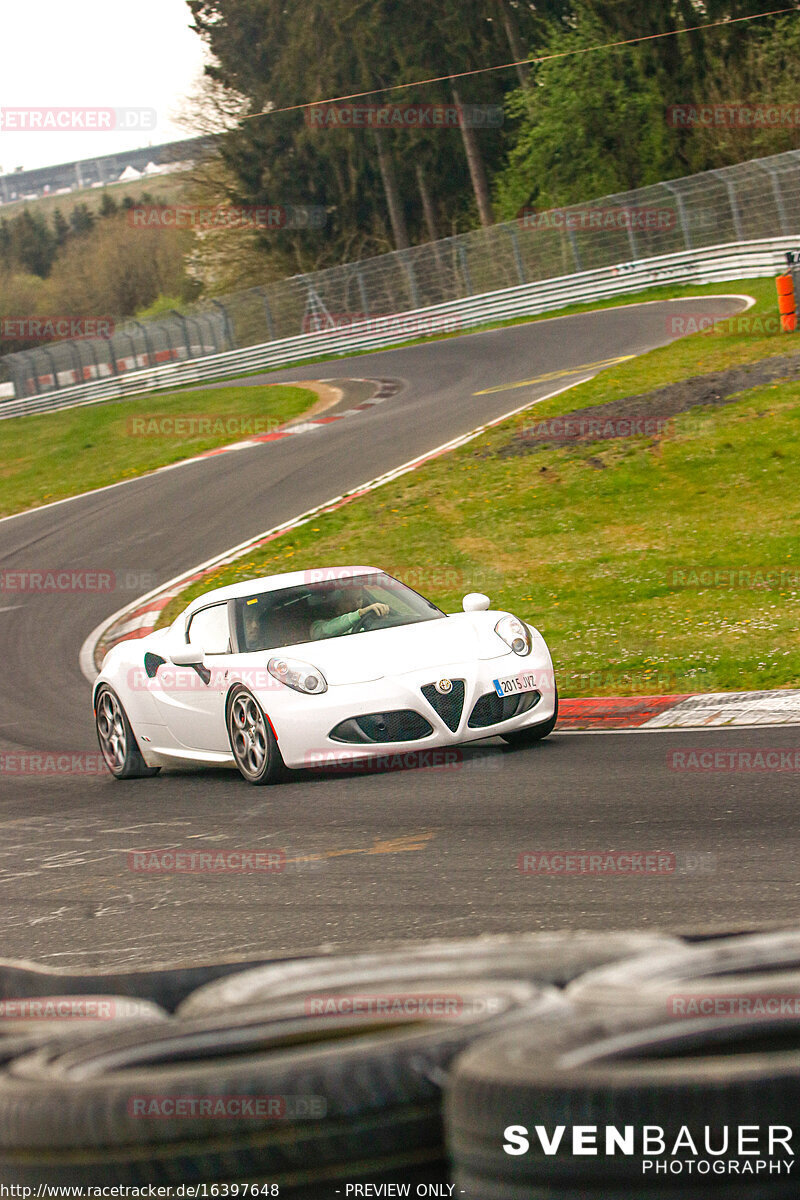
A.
pixel 575 127
pixel 391 168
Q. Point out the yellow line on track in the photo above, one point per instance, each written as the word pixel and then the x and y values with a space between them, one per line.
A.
pixel 595 366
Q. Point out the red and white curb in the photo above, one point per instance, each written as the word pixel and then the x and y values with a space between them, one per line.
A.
pixel 705 710
pixel 385 389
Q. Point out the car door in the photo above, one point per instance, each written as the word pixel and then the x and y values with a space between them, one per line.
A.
pixel 191 700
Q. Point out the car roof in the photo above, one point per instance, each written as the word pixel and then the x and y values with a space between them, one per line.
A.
pixel 273 583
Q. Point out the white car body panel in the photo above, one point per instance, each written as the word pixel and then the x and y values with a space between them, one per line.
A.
pixel 179 718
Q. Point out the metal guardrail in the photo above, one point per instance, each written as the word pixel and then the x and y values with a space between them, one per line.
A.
pixel 742 203
pixel 711 264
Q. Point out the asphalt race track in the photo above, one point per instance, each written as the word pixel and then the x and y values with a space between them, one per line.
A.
pixel 402 854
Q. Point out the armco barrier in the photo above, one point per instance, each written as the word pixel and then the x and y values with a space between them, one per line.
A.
pixel 710 264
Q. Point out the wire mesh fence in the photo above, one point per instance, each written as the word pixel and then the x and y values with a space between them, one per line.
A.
pixel 746 202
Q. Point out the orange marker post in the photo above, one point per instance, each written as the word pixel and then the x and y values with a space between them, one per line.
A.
pixel 787 303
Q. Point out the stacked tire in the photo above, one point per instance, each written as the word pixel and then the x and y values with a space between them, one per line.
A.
pixel 692 1045
pixel 508 1068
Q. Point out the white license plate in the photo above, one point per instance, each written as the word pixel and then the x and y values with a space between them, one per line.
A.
pixel 514 685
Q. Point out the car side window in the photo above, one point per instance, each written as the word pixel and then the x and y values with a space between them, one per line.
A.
pixel 209 629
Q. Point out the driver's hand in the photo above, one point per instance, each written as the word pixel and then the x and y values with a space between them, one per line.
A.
pixel 380 610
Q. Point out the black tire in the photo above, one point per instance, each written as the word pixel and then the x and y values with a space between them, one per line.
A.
pixel 534 733
pixel 42 1018
pixel 541 958
pixel 116 739
pixel 623 1069
pixel 252 741
pixel 68 1113
pixel 733 975
pixel 166 986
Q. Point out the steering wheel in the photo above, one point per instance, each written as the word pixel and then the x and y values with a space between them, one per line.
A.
pixel 361 623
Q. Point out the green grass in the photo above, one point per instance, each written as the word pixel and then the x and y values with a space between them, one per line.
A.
pixel 585 540
pixel 49 457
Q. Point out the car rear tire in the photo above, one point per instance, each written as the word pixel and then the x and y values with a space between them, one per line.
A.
pixel 527 737
pixel 118 745
pixel 254 745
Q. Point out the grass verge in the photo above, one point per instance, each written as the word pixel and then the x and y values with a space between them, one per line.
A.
pixel 49 457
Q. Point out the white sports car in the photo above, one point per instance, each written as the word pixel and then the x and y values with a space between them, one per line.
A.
pixel 319 667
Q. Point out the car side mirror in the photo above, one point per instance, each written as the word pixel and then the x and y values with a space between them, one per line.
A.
pixel 476 602
pixel 190 655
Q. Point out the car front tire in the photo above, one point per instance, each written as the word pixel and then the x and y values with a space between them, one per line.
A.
pixel 527 737
pixel 253 743
pixel 118 744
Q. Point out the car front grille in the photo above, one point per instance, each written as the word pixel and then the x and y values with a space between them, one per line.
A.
pixel 490 709
pixel 450 706
pixel 402 726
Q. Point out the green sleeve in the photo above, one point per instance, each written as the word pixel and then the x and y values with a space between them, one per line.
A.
pixel 337 625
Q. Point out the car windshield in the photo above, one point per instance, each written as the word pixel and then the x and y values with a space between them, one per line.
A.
pixel 314 611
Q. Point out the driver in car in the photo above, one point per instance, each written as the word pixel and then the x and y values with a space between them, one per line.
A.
pixel 345 619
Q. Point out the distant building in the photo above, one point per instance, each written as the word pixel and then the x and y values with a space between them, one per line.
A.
pixel 96 172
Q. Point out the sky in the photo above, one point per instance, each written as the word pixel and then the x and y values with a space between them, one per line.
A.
pixel 95 54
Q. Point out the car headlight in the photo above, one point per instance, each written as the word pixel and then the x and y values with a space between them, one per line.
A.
pixel 298 675
pixel 515 635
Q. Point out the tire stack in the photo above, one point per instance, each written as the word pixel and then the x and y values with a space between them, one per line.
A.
pixel 689 1043
pixel 453 1064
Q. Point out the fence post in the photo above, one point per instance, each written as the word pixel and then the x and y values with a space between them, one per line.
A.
pixel 734 203
pixel 512 233
pixel 185 327
pixel 681 213
pixel 226 324
pixel 776 191
pixel 462 259
pixel 362 291
pixel 267 313
pixel 405 258
pixel 148 346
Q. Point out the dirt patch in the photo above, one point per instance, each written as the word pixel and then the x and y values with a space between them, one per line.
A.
pixel 649 414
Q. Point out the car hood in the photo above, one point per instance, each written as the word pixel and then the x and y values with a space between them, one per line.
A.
pixel 361 657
